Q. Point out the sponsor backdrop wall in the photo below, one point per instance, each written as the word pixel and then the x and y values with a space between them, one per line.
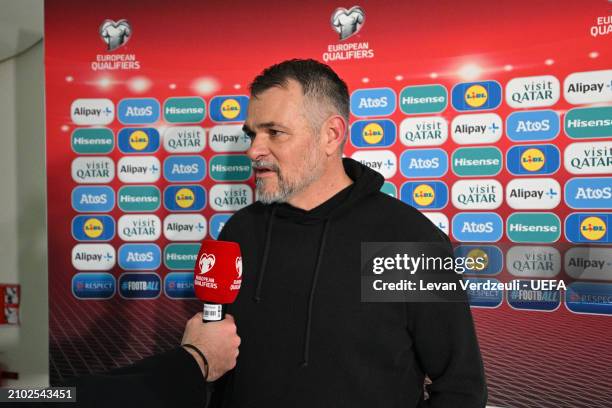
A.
pixel 493 118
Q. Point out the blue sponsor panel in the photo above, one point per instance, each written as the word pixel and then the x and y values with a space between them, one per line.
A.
pixel 591 228
pixel 184 198
pixel 138 140
pixel 93 199
pixel 143 257
pixel 533 160
pixel 138 111
pixel 217 222
pixel 425 195
pixel 181 169
pixel 179 285
pixel 93 228
pixel 589 193
pixel 86 286
pixel 139 285
pixel 373 102
pixel 532 126
pixel 589 298
pixel 493 259
pixel 424 163
pixel 530 298
pixel 480 296
pixel 231 108
pixel 473 96
pixel 373 133
pixel 477 227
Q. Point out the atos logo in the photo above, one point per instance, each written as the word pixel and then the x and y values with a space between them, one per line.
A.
pixel 184 198
pixel 93 199
pixel 179 285
pixel 179 169
pixel 93 228
pixel 477 227
pixel 471 96
pixel 532 125
pixel 527 298
pixel 428 163
pixel 589 193
pixel 373 133
pixel 139 285
pixel 533 160
pixel 490 256
pixel 138 111
pixel 229 108
pixel 373 102
pixel 426 195
pixel 217 222
pixel 93 286
pixel 589 298
pixel 138 140
pixel 588 228
pixel 139 257
pixel 479 296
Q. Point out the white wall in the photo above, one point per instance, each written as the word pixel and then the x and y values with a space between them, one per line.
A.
pixel 23 233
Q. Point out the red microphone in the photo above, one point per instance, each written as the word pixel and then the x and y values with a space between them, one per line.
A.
pixel 217 277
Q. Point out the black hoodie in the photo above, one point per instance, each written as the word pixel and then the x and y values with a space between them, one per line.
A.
pixel 308 340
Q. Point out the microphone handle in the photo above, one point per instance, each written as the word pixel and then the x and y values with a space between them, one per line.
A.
pixel 213 312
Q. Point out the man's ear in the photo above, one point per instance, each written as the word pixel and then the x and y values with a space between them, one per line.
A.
pixel 334 130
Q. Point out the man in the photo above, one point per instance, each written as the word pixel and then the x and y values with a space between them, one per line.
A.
pixel 308 341
pixel 176 378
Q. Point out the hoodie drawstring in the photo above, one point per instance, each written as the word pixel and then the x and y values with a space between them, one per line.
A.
pixel 264 259
pixel 313 288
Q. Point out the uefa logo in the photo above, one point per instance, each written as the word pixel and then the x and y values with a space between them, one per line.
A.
pixel 347 22
pixel 115 33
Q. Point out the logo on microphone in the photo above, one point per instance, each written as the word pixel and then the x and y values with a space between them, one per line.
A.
pixel 207 262
pixel 238 266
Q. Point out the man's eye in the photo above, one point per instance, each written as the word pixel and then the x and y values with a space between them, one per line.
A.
pixel 274 132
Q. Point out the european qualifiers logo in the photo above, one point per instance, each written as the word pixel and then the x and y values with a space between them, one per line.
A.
pixel 115 34
pixel 347 23
pixel 532 126
pixel 481 128
pixel 472 96
pixel 533 193
pixel 139 257
pixel 138 140
pixel 589 193
pixel 184 139
pixel 533 160
pixel 373 133
pixel 423 131
pixel 589 298
pixel 590 87
pixel 588 158
pixel 588 228
pixel 533 92
pixel 382 161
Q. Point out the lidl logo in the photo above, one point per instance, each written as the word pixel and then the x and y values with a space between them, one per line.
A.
pixel 470 96
pixel 185 227
pixel 217 222
pixel 477 161
pixel 181 257
pixel 484 194
pixel 184 139
pixel 533 193
pixel 93 170
pixel 589 298
pixel 480 295
pixel 93 286
pixel 532 126
pixel 588 87
pixel 230 167
pixel 533 227
pixel 584 123
pixel 93 257
pixel 228 138
pixel 184 198
pixel 139 285
pixel 86 112
pixel 179 285
pixel 92 141
pixel 424 163
pixel 373 133
pixel 184 110
pixel 589 193
pixel 231 108
pixel 588 228
pixel 589 158
pixel 439 220
pixel 527 298
pixel 373 102
pixel 423 131
pixel 533 160
pixel 382 161
pixel 139 227
pixel 93 228
pixel 138 140
pixel 486 259
pixel 139 169
pixel 179 169
pixel 477 227
pixel 478 128
pixel 93 199
pixel 415 100
pixel 533 261
pixel 429 195
pixel 533 92
pixel 139 257
pixel 389 189
pixel 139 198
pixel 230 197
pixel 138 111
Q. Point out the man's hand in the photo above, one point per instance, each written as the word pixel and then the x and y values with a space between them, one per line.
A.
pixel 217 340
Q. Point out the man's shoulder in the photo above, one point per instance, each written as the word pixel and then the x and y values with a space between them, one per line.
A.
pixel 244 218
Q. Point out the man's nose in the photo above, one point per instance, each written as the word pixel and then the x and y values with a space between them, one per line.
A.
pixel 259 147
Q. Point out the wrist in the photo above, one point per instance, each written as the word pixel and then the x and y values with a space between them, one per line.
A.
pixel 199 358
